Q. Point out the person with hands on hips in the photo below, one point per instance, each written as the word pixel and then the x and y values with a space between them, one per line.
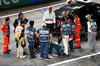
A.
pixel 6 31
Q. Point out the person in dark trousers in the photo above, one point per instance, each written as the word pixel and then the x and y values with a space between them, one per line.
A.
pixel 45 38
pixel 6 31
pixel 31 33
pixel 71 35
pixel 49 19
pixel 25 22
pixel 17 23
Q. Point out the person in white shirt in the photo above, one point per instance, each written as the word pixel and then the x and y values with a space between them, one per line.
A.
pixel 92 33
pixel 68 2
pixel 49 19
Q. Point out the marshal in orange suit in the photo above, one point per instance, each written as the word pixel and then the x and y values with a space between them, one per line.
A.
pixel 77 31
pixel 6 31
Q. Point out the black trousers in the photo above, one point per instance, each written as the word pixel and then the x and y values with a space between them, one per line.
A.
pixel 51 27
pixel 16 43
pixel 71 45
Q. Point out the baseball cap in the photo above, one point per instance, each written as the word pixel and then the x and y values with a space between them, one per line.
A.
pixel 44 24
pixel 89 15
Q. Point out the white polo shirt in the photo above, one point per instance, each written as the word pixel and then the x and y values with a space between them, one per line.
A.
pixel 48 15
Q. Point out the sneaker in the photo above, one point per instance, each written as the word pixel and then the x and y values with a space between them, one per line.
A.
pixel 93 51
pixel 64 54
pixel 72 50
pixel 77 47
pixel 42 58
pixel 22 57
pixel 18 56
pixel 9 50
pixel 24 53
pixel 89 52
pixel 55 54
pixel 6 52
pixel 33 57
pixel 48 59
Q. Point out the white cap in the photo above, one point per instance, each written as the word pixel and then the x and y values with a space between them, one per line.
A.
pixel 44 24
pixel 89 15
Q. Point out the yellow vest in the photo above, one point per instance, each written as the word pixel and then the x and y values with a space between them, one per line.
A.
pixel 18 31
pixel 69 0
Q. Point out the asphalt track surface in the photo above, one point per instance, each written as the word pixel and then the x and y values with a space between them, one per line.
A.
pixel 78 58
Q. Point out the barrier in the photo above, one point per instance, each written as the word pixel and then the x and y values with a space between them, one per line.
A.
pixel 10 3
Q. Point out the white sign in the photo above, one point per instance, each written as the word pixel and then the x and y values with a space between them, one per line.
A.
pixel 8 2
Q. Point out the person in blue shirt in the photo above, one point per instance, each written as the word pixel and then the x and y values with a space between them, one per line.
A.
pixel 65 32
pixel 45 38
pixel 31 35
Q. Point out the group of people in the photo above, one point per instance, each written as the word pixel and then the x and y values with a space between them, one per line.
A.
pixel 44 34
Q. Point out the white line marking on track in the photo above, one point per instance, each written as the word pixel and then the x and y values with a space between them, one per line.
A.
pixel 32 10
pixel 66 61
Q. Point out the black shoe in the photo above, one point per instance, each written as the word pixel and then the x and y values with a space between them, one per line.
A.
pixel 33 57
pixel 72 50
pixel 9 50
pixel 93 51
pixel 6 52
pixel 24 53
pixel 64 54
pixel 77 47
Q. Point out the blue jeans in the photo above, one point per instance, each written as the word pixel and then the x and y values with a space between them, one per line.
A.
pixel 46 45
pixel 31 47
pixel 54 51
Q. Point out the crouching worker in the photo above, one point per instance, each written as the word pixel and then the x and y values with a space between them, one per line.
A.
pixel 45 38
pixel 18 36
pixel 31 36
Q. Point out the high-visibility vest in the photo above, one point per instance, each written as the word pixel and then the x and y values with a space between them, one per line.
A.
pixel 18 31
pixel 44 35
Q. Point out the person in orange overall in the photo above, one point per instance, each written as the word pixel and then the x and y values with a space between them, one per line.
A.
pixel 6 30
pixel 77 31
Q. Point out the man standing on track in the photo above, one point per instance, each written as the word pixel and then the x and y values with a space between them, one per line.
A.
pixel 49 19
pixel 77 30
pixel 6 30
